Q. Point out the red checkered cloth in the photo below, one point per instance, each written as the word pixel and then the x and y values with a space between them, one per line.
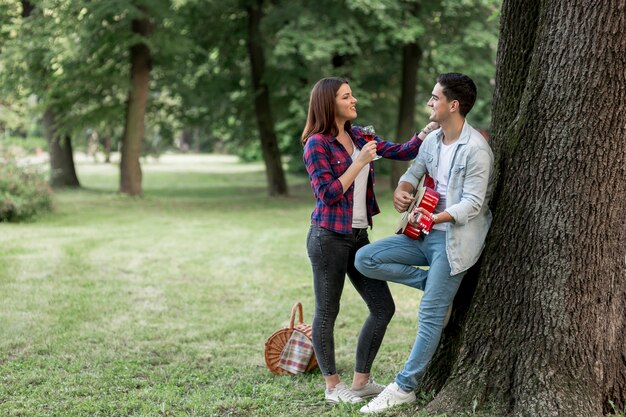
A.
pixel 296 354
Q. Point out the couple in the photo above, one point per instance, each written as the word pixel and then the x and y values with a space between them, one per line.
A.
pixel 339 162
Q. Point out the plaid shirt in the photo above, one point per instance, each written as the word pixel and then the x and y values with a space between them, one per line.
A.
pixel 326 160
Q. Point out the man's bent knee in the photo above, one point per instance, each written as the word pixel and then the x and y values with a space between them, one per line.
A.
pixel 363 261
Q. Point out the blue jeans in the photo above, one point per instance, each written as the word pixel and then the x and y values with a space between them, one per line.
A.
pixel 332 256
pixel 393 259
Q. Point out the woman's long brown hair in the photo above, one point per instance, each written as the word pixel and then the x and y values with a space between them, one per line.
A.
pixel 321 116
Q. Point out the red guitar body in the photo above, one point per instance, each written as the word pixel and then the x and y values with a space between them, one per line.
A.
pixel 428 202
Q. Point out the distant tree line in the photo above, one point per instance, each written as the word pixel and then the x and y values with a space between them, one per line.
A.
pixel 233 73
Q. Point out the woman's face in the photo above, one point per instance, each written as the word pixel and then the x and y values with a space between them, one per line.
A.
pixel 345 104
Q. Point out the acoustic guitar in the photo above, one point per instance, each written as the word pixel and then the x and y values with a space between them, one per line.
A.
pixel 425 197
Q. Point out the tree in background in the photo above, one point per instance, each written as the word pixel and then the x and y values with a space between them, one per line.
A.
pixel 545 334
pixel 411 57
pixel 140 65
pixel 33 60
pixel 62 169
pixel 370 54
pixel 437 37
pixel 133 49
pixel 202 82
pixel 276 183
pixel 75 57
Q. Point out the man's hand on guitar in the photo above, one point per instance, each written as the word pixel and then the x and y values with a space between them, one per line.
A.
pixel 402 200
pixel 417 219
pixel 421 219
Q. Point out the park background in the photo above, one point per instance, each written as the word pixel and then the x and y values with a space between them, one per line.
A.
pixel 154 205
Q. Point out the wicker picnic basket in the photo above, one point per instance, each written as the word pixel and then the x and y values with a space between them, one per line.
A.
pixel 276 342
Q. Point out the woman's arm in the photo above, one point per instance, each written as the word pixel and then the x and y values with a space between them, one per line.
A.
pixel 405 151
pixel 368 152
pixel 317 159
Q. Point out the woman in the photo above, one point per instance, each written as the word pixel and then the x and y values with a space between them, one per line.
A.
pixel 339 162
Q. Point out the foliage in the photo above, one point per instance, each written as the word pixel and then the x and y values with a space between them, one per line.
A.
pixel 208 87
pixel 617 412
pixel 28 145
pixel 19 118
pixel 369 54
pixel 73 54
pixel 24 192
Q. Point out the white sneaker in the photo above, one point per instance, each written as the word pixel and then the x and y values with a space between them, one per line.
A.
pixel 371 389
pixel 391 396
pixel 341 394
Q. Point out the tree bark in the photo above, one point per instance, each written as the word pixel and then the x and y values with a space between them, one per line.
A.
pixel 276 182
pixel 130 168
pixel 62 169
pixel 411 56
pixel 340 61
pixel 545 333
pixel 108 144
pixel 27 8
pixel 186 140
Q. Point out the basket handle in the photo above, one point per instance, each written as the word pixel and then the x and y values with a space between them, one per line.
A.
pixel 296 306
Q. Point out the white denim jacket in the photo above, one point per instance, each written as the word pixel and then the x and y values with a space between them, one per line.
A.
pixel 468 194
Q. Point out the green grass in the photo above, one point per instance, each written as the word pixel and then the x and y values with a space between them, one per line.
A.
pixel 160 306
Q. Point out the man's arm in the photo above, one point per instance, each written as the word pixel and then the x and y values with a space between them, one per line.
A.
pixel 403 196
pixel 443 217
pixel 475 186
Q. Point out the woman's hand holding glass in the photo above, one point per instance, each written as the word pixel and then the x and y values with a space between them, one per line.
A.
pixel 370 135
pixel 368 153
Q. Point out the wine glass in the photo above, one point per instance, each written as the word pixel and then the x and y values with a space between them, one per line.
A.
pixel 369 133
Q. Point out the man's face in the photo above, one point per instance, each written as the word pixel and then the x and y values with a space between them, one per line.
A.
pixel 345 103
pixel 439 105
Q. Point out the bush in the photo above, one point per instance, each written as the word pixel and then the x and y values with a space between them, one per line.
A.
pixel 24 192
pixel 29 145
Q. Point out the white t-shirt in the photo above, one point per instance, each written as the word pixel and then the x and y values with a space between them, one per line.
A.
pixel 441 179
pixel 359 209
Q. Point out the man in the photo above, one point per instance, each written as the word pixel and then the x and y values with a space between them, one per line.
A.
pixel 460 161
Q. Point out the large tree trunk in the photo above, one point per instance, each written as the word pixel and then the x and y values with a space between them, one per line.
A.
pixel 546 332
pixel 411 56
pixel 130 168
pixel 276 183
pixel 62 169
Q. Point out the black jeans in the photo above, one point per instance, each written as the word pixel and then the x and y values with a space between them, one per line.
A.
pixel 332 256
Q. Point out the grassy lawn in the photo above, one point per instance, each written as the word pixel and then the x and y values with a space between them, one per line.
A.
pixel 160 306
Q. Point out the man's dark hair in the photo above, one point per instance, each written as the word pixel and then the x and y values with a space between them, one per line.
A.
pixel 459 87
